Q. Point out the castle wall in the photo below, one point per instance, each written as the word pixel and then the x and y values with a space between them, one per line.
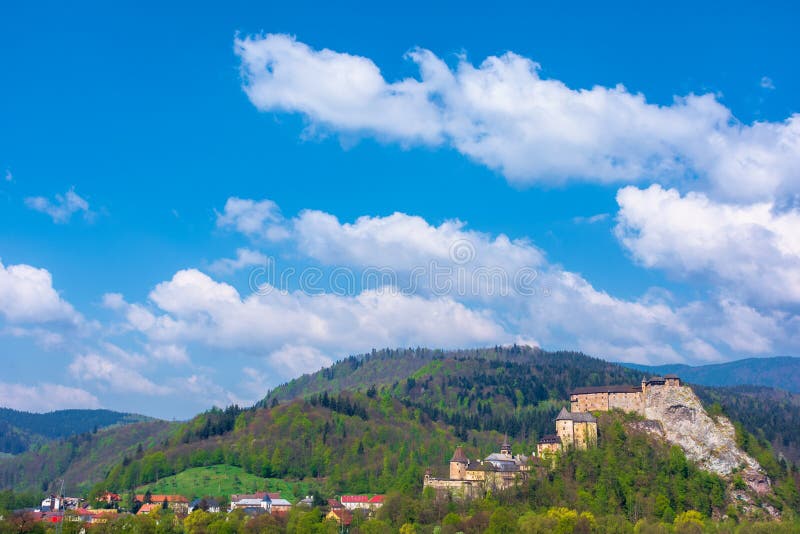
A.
pixel 589 402
pixel 629 402
pixel 585 435
pixel 544 450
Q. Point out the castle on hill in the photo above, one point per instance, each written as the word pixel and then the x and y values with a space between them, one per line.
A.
pixel 578 427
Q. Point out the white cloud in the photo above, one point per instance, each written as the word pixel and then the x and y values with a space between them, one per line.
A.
pixel 591 219
pixel 245 257
pixel 27 296
pixel 8 176
pixel 170 353
pixel 62 208
pixel 262 218
pixel 767 83
pixel 45 397
pixel 750 250
pixel 503 114
pixel 114 374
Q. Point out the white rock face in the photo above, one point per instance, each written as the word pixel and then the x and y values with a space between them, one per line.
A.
pixel 711 443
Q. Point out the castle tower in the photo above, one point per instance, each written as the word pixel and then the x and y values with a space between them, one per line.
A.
pixel 458 465
pixel 505 448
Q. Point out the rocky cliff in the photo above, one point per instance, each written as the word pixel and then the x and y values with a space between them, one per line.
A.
pixel 710 442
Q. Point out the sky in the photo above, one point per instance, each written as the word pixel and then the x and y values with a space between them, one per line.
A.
pixel 199 202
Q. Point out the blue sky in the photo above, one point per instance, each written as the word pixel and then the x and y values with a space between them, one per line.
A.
pixel 142 145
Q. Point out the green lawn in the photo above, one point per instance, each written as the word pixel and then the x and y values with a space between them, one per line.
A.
pixel 222 480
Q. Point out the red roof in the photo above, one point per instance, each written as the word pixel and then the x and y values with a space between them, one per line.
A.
pixel 354 498
pixel 333 503
pixel 377 499
pixel 147 508
pixel 344 516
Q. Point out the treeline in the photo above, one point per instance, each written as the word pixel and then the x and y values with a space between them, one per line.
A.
pixel 340 403
pixel 214 422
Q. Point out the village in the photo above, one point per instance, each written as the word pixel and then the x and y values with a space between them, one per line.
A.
pixel 107 507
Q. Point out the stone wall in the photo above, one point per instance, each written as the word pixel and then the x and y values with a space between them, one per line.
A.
pixel 589 402
pixel 629 402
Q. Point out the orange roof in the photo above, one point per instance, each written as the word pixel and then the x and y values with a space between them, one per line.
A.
pixel 147 508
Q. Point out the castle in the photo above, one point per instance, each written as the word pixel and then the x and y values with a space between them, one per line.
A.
pixel 578 427
pixel 474 478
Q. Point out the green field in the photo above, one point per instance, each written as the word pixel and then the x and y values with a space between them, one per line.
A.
pixel 223 480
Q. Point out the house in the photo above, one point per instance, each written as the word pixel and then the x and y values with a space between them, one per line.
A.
pixel 206 504
pixel 146 508
pixel 109 498
pixel 279 506
pixel 334 504
pixel 341 515
pixel 177 503
pixel 362 502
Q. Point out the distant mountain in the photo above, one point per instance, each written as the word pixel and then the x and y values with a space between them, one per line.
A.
pixel 782 372
pixel 21 430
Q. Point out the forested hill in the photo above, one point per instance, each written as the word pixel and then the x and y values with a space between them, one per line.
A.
pixel 20 430
pixel 782 372
pixel 549 373
pixel 519 389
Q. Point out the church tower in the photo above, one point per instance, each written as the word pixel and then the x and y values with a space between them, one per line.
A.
pixel 505 448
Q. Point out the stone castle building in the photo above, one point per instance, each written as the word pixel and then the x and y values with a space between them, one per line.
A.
pixel 627 398
pixel 578 427
pixel 474 478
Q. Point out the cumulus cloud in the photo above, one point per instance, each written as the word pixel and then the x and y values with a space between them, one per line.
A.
pixel 750 250
pixel 62 208
pixel 45 397
pixel 27 296
pixel 253 218
pixel 245 258
pixel 505 115
pixel 114 374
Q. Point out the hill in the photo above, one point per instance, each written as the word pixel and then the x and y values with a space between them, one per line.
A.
pixel 81 460
pixel 782 372
pixel 223 480
pixel 21 430
pixel 519 390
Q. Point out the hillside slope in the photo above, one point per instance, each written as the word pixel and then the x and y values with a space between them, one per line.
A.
pixel 20 430
pixel 520 389
pixel 80 460
pixel 782 372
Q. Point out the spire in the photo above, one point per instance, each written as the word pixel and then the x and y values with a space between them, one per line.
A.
pixel 505 448
pixel 563 414
pixel 459 456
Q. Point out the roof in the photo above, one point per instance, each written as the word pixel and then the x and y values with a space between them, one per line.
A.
pixel 550 438
pixel 578 417
pixel 606 389
pixel 333 503
pixel 377 499
pixel 459 456
pixel 280 502
pixel 354 498
pixel 344 516
pixel 671 376
pixel 256 495
pixel 147 508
